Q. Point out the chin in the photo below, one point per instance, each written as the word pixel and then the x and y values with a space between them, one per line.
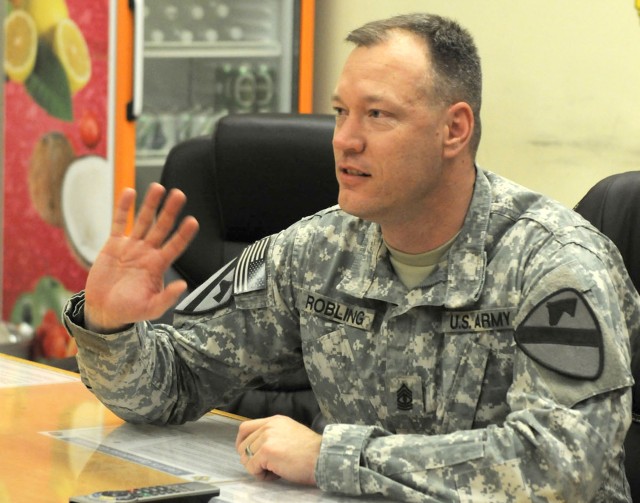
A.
pixel 356 210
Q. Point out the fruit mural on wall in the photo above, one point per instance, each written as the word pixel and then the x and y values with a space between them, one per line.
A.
pixel 55 149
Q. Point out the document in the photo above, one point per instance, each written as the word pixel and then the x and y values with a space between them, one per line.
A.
pixel 282 492
pixel 203 450
pixel 15 373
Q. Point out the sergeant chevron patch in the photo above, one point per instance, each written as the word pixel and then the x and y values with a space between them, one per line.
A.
pixel 404 397
pixel 251 272
pixel 213 293
pixel 561 333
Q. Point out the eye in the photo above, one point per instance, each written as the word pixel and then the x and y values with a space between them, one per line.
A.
pixel 339 111
pixel 376 114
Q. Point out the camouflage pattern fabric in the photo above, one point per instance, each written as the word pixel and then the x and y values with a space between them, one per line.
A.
pixel 453 391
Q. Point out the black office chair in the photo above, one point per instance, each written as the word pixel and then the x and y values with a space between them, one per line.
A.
pixel 613 206
pixel 255 176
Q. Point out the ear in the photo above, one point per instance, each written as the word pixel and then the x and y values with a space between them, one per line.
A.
pixel 460 124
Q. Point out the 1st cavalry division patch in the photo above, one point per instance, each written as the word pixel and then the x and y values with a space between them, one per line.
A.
pixel 242 275
pixel 213 293
pixel 562 333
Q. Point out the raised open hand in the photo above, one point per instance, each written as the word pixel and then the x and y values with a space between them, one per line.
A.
pixel 125 284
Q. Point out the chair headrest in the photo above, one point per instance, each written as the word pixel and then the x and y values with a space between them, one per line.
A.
pixel 271 170
pixel 255 176
pixel 613 206
pixel 188 168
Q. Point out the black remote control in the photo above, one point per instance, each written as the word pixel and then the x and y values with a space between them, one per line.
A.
pixel 184 492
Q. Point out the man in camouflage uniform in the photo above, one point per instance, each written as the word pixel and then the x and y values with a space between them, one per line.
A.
pixel 467 339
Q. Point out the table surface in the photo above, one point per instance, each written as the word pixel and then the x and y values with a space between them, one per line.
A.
pixel 42 408
pixel 35 467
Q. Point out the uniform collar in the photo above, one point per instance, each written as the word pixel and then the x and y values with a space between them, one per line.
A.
pixel 468 257
pixel 457 286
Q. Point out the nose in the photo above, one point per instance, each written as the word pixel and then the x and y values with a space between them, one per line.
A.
pixel 347 135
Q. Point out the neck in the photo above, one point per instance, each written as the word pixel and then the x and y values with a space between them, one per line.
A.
pixel 441 219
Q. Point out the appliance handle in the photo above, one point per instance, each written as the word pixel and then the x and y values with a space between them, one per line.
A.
pixel 134 107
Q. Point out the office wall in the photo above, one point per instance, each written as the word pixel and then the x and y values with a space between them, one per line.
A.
pixel 561 82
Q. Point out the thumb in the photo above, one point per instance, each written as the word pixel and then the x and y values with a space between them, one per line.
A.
pixel 166 299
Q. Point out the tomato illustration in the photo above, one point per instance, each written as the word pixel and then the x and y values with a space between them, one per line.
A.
pixel 90 131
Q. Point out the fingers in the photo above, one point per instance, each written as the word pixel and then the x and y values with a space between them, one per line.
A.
pixel 278 446
pixel 180 239
pixel 147 214
pixel 253 459
pixel 121 214
pixel 248 443
pixel 259 460
pixel 246 429
pixel 154 227
pixel 165 221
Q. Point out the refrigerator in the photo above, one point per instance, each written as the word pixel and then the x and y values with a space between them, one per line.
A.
pixel 95 95
pixel 204 59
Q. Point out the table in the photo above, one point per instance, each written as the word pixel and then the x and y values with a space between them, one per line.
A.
pixel 38 468
pixel 57 440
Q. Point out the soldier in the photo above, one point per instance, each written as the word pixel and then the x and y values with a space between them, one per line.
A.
pixel 466 338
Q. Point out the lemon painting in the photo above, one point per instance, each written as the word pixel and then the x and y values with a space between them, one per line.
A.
pixel 46 52
pixel 20 45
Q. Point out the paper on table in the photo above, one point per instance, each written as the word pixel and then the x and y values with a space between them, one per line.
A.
pixel 282 492
pixel 203 450
pixel 14 373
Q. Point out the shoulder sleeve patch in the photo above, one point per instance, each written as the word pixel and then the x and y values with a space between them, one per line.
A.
pixel 562 333
pixel 251 272
pixel 247 273
pixel 213 293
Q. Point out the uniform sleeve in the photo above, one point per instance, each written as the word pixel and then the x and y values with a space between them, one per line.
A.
pixel 136 373
pixel 548 450
pixel 561 441
pixel 172 374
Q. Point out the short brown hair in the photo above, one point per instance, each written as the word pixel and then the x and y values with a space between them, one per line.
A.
pixel 457 73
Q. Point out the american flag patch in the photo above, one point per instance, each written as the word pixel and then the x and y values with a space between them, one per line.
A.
pixel 213 293
pixel 251 271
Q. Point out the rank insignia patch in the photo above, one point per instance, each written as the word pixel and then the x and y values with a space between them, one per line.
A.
pixel 405 395
pixel 562 333
pixel 404 398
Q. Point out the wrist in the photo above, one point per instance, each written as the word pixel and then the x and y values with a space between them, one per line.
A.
pixel 100 328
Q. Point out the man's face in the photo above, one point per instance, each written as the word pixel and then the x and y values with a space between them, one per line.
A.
pixel 389 132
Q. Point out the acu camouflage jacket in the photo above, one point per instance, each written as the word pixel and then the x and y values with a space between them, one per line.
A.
pixel 504 377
